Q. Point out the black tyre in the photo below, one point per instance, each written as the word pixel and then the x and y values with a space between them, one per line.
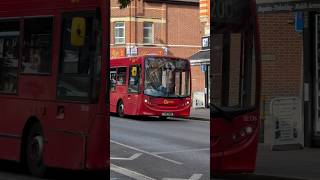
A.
pixel 120 109
pixel 34 151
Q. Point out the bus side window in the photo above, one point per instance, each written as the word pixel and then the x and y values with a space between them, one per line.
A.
pixel 122 73
pixel 37 45
pixel 113 79
pixel 134 79
pixel 9 55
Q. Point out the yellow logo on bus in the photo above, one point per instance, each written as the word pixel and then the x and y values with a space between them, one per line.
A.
pixel 78 31
pixel 134 72
pixel 166 101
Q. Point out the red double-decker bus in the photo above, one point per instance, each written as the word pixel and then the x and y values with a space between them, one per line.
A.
pixel 53 110
pixel 150 86
pixel 235 76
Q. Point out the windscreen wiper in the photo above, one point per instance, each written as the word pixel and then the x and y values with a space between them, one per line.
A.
pixel 222 113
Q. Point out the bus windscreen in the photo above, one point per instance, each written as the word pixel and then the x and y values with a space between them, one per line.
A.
pixel 166 77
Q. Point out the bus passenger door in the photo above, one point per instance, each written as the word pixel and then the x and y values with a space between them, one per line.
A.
pixel 133 90
pixel 113 90
pixel 235 77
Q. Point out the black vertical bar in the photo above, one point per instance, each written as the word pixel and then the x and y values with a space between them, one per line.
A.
pixel 225 83
pixel 247 79
pixel 206 86
pixel 308 72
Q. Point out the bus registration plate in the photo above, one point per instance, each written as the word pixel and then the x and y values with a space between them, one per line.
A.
pixel 167 114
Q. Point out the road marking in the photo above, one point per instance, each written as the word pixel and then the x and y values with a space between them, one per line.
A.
pixel 133 157
pixel 193 177
pixel 129 173
pixel 149 153
pixel 182 151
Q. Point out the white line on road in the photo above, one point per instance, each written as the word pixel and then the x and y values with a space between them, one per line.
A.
pixel 129 173
pixel 182 151
pixel 193 177
pixel 133 157
pixel 149 153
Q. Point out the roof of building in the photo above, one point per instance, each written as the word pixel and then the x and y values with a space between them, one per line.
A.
pixel 200 55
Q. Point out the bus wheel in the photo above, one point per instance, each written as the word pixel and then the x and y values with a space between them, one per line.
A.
pixel 35 143
pixel 120 109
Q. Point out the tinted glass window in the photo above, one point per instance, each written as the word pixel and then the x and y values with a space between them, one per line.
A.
pixel 234 71
pixel 113 79
pixel 37 45
pixel 80 66
pixel 134 79
pixel 122 73
pixel 9 55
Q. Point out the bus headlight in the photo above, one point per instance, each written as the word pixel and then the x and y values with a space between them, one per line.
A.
pixel 249 130
pixel 243 133
pixel 186 103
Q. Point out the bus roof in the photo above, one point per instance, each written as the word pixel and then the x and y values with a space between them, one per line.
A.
pixel 15 7
pixel 144 56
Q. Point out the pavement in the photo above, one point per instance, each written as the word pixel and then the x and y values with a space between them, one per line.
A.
pixel 292 164
pixel 302 164
pixel 200 114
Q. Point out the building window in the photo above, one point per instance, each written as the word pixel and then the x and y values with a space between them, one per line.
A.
pixel 148 32
pixel 119 30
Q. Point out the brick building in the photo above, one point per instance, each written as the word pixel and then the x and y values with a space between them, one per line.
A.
pixel 155 27
pixel 290 61
pixel 164 27
pixel 200 61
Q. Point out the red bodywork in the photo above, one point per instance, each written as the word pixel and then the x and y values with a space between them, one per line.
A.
pixel 143 105
pixel 231 152
pixel 80 140
pixel 238 155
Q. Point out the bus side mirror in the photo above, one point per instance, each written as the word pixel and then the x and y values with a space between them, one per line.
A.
pixel 78 31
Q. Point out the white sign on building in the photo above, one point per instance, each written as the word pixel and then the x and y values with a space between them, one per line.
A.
pixel 287 123
pixel 132 50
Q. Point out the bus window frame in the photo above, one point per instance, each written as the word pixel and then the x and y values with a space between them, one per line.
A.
pixel 88 99
pixel 49 73
pixel 229 112
pixel 139 68
pixel 19 20
pixel 115 85
pixel 126 76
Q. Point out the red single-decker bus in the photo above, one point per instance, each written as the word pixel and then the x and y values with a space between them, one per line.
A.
pixel 235 76
pixel 53 110
pixel 150 86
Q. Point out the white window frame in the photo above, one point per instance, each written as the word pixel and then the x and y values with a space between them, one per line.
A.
pixel 115 33
pixel 152 32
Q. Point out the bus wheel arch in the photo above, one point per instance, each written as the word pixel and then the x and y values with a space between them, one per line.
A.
pixel 120 108
pixel 32 145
